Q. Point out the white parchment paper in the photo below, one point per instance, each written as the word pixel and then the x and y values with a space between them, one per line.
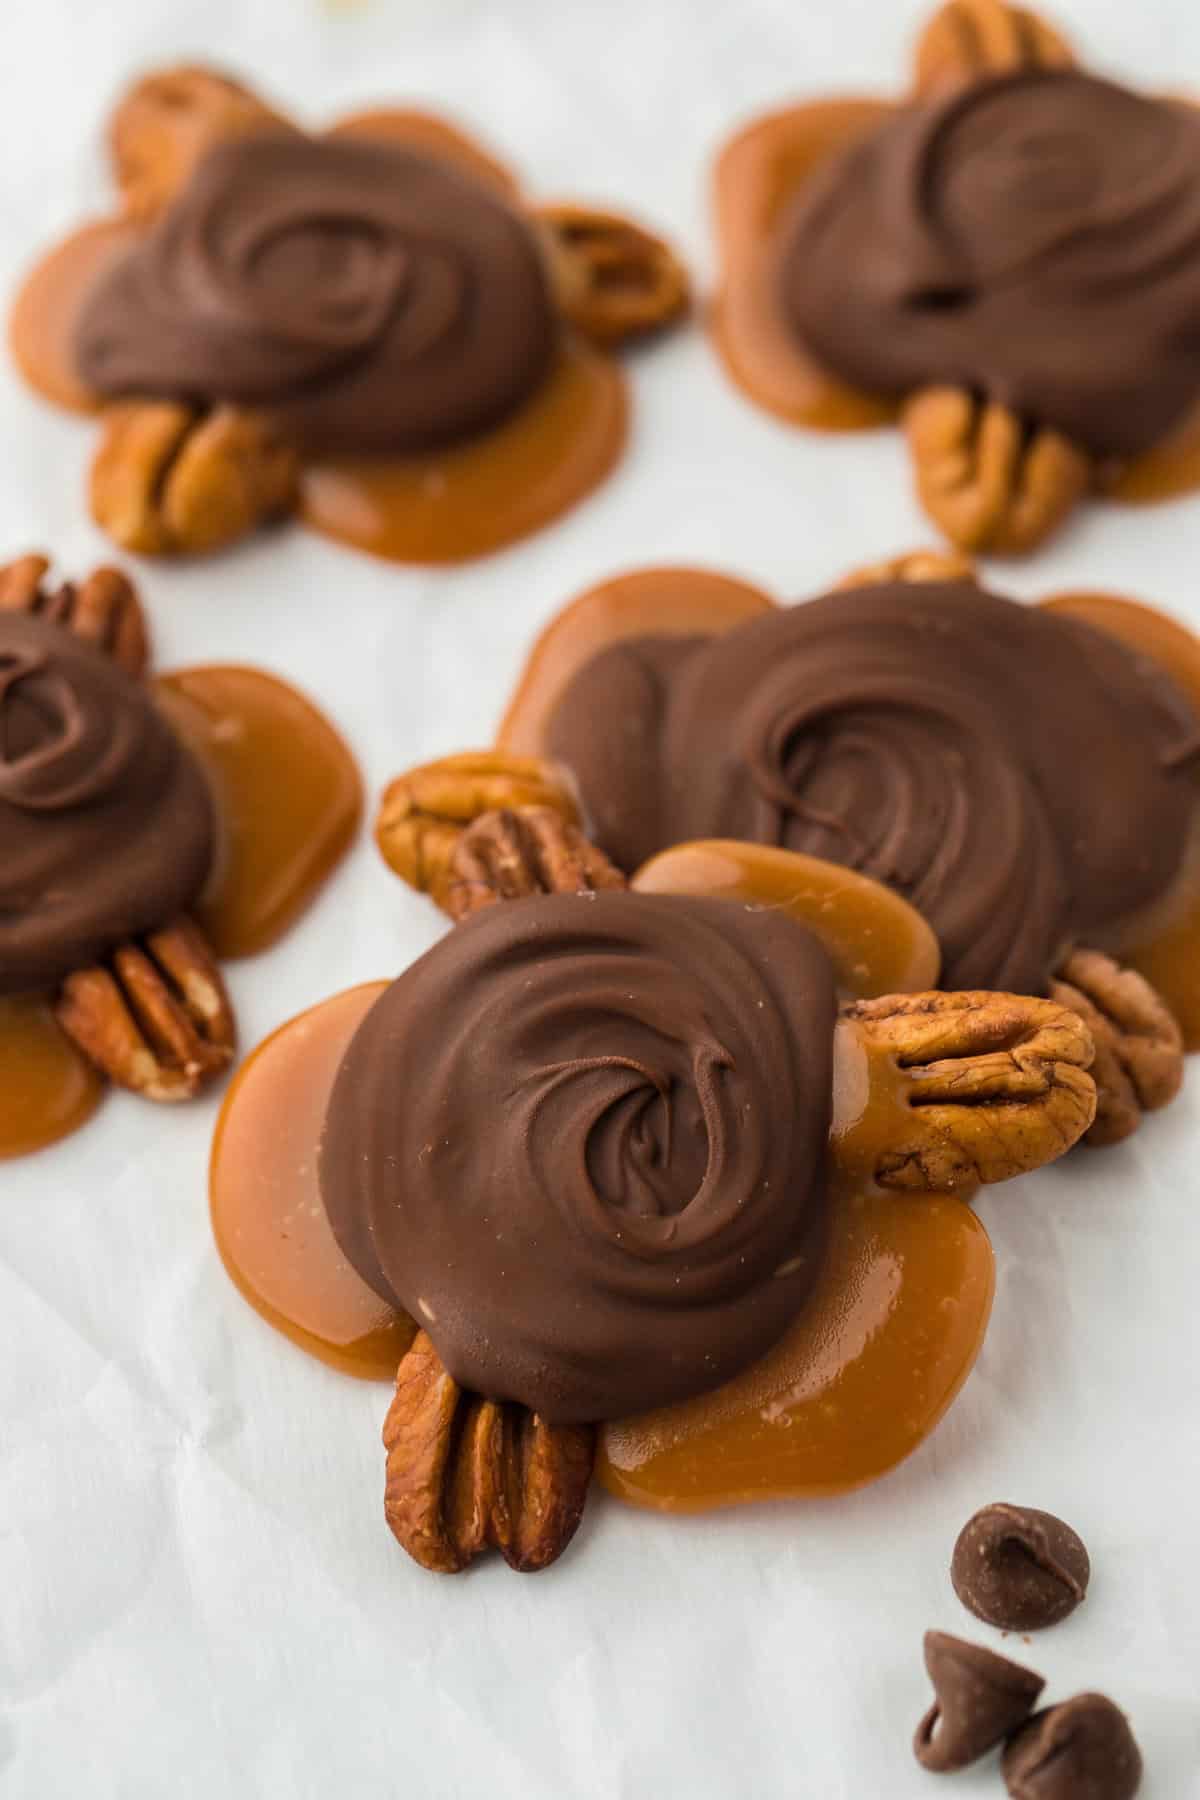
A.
pixel 198 1597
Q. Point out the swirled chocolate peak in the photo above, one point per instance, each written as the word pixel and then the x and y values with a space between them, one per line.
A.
pixel 1023 779
pixel 582 1142
pixel 1034 237
pixel 106 825
pixel 373 297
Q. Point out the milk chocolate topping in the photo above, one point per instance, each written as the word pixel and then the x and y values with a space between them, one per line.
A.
pixel 1034 237
pixel 582 1142
pixel 1020 777
pixel 371 296
pixel 105 821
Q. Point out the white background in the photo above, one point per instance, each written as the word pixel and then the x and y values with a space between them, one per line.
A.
pixel 198 1596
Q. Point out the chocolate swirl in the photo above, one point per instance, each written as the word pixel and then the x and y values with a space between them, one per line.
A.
pixel 1023 779
pixel 372 297
pixel 105 820
pixel 582 1142
pixel 1034 237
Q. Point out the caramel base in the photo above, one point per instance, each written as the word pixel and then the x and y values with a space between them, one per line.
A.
pixel 757 176
pixel 472 498
pixel 647 602
pixel 267 1217
pixel 877 943
pixel 288 797
pixel 48 1089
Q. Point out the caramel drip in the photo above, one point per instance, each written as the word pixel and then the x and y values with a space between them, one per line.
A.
pixel 288 798
pixel 887 1339
pixel 47 1088
pixel 877 942
pixel 759 173
pixel 267 1217
pixel 1166 948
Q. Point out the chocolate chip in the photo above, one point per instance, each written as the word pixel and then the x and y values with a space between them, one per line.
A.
pixel 980 1699
pixel 1019 1568
pixel 1081 1750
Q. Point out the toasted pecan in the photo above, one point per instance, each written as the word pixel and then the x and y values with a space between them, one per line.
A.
pixel 155 1016
pixel 996 1084
pixel 615 281
pixel 520 852
pixel 966 39
pixel 986 479
pixel 170 480
pixel 1139 1046
pixel 103 609
pixel 425 811
pixel 914 566
pixel 168 120
pixel 466 1474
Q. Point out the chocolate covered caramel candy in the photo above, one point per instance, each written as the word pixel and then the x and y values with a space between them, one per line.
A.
pixel 1032 236
pixel 106 826
pixel 582 1143
pixel 367 296
pixel 1023 779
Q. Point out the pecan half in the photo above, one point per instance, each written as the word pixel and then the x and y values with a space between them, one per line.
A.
pixel 523 851
pixel 155 1018
pixel 1139 1047
pixel 465 1474
pixel 969 38
pixel 103 609
pixel 424 812
pixel 168 480
pixel 989 481
pixel 615 282
pixel 167 121
pixel 995 1084
pixel 917 565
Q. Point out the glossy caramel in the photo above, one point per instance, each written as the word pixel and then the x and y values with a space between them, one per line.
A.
pixel 877 942
pixel 647 603
pixel 468 499
pixel 886 1341
pixel 288 796
pixel 1166 947
pixel 267 1217
pixel 48 1089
